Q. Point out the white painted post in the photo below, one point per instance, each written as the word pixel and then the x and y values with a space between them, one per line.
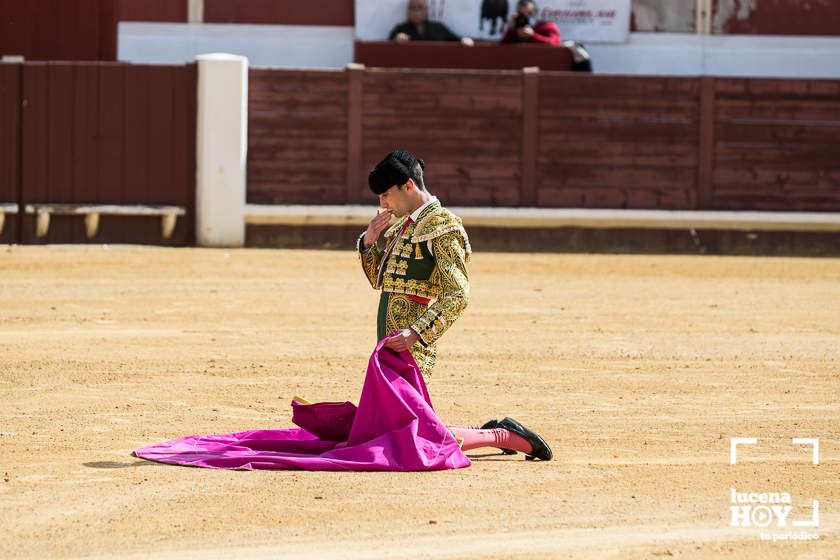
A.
pixel 704 17
pixel 221 145
pixel 195 11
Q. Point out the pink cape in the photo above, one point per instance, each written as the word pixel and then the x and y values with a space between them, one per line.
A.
pixel 394 428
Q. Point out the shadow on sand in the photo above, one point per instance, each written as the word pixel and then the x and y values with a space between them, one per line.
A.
pixel 119 465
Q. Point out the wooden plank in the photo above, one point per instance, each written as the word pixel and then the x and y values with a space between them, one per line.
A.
pixel 771 202
pixel 781 177
pixel 153 10
pixel 779 109
pixel 332 103
pixel 35 134
pixel 107 20
pixel 10 144
pixel 63 40
pixel 585 176
pixel 184 150
pixel 52 30
pixel 582 86
pixel 75 131
pixel 599 149
pixel 355 93
pixel 581 198
pixel 9 132
pixel 282 12
pixel 499 105
pixel 623 142
pixel 331 179
pixel 88 21
pixel 306 93
pixel 477 128
pixel 35 161
pixel 529 144
pixel 706 142
pixel 136 139
pixel 328 101
pixel 624 112
pixel 85 134
pixel 814 154
pixel 641 198
pixel 780 133
pixel 302 121
pixel 614 103
pixel 183 137
pixel 484 55
pixel 111 134
pixel 61 149
pixel 419 83
pixel 616 198
pixel 160 121
pixel 293 114
pixel 633 141
pixel 285 169
pixel 270 146
pixel 286 193
pixel 626 131
pixel 778 87
pixel 294 80
pixel 434 147
pixel 48 44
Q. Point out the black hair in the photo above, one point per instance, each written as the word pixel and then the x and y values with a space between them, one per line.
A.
pixel 398 167
pixel 417 175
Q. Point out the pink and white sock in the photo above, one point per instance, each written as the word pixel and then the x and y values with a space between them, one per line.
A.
pixel 500 438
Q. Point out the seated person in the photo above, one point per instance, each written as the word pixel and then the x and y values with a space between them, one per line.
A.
pixel 419 28
pixel 581 61
pixel 522 27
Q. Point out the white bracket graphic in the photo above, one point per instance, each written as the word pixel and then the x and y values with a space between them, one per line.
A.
pixel 733 447
pixel 736 441
pixel 815 516
pixel 815 452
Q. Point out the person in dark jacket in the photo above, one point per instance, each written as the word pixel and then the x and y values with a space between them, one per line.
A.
pixel 419 28
pixel 523 27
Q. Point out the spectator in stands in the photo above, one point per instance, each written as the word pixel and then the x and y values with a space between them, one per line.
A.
pixel 524 28
pixel 581 61
pixel 419 28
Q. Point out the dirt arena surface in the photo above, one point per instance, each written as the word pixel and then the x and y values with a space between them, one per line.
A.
pixel 637 369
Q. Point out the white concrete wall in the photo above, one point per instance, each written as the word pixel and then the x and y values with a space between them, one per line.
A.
pixel 263 45
pixel 678 54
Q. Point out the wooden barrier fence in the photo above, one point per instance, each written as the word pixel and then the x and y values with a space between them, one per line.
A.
pixel 100 135
pixel 548 139
pixel 97 136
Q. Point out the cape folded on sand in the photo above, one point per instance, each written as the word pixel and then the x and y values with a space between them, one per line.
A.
pixel 394 428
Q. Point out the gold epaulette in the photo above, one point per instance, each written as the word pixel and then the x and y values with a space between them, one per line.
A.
pixel 439 222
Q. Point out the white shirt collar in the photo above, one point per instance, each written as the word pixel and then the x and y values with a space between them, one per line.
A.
pixel 416 213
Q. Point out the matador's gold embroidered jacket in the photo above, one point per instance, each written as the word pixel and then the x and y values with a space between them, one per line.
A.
pixel 426 259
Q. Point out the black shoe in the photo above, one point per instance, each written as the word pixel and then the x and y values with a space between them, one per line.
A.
pixel 539 448
pixel 492 425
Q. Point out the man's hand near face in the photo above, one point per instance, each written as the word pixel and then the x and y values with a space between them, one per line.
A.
pixel 376 226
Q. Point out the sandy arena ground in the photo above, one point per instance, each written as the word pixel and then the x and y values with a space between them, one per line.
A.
pixel 637 369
